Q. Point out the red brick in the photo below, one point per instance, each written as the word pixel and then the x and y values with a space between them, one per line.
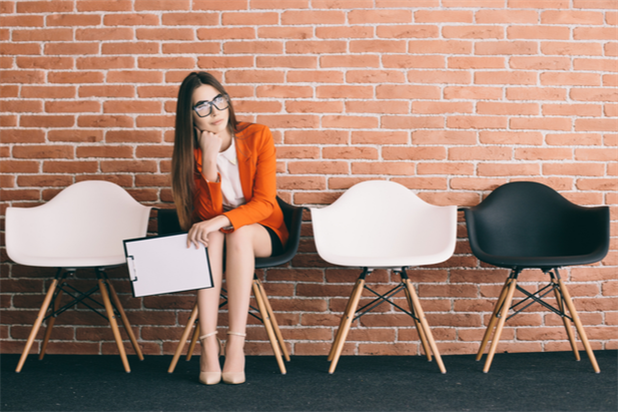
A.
pixel 400 31
pixel 383 168
pixel 385 91
pixel 411 122
pixel 165 34
pixel 250 19
pixel 131 48
pixel 476 122
pixel 43 152
pixel 284 32
pixel 542 153
pixel 75 77
pixel 495 77
pixel 443 16
pixel 473 92
pixel 378 107
pixel 594 94
pixel 535 93
pixel 458 62
pixel 507 169
pixel 342 32
pixel 379 16
pixel 513 138
pixel 473 32
pixel 347 122
pixel 506 48
pixel 287 61
pixel 508 108
pixel 440 46
pixel 379 46
pixel 539 63
pixel 190 19
pixel 318 17
pixel 438 76
pixel 447 137
pixel 253 47
pixel 571 17
pixel 379 137
pixel 315 76
pixel 284 91
pixel 46 121
pixel 409 62
pixel 572 48
pixel 295 106
pixel 162 5
pixel 344 91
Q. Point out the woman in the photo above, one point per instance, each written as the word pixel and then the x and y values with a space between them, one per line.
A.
pixel 224 186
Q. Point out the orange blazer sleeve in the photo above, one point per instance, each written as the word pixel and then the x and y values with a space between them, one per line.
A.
pixel 257 167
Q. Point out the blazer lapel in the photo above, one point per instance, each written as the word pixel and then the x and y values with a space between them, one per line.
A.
pixel 245 170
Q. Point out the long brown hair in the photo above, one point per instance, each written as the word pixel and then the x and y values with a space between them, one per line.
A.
pixel 183 166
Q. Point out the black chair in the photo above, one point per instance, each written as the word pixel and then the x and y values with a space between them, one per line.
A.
pixel 527 225
pixel 168 224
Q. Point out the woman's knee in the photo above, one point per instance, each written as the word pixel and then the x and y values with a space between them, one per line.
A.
pixel 239 239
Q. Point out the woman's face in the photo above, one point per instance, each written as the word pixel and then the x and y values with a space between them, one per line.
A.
pixel 216 122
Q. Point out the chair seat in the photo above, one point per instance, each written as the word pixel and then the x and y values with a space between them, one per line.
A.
pixel 384 260
pixel 524 262
pixel 74 261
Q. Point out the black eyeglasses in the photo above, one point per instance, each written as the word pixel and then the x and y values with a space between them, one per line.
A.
pixel 204 108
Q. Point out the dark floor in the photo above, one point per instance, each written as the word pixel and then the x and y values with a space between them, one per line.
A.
pixel 516 382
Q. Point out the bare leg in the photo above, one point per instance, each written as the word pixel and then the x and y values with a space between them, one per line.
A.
pixel 242 247
pixel 208 305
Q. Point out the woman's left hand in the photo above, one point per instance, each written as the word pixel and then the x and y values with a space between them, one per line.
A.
pixel 199 231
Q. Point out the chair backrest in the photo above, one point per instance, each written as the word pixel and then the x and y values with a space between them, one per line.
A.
pixel 533 225
pixel 82 226
pixel 384 224
pixel 167 223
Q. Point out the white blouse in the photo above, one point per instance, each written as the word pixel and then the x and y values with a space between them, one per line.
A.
pixel 227 166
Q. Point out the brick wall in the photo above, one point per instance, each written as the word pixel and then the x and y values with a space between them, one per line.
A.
pixel 449 97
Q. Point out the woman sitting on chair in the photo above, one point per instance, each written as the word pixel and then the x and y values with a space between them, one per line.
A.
pixel 224 186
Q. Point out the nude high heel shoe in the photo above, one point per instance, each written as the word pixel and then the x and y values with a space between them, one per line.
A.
pixel 234 378
pixel 210 378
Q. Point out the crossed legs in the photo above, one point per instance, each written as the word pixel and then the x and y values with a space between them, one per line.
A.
pixel 241 248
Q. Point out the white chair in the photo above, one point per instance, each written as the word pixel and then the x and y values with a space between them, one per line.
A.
pixel 381 224
pixel 81 227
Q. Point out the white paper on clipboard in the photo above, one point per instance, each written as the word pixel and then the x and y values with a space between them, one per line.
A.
pixel 165 264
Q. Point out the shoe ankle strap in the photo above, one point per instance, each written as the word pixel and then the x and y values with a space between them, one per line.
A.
pixel 208 335
pixel 237 334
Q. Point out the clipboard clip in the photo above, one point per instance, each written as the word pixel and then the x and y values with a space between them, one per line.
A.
pixel 132 269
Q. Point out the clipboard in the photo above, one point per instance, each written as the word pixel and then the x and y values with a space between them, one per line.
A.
pixel 164 264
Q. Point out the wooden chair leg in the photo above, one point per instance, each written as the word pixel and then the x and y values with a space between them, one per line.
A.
pixel 113 323
pixel 421 316
pixel 37 324
pixel 419 327
pixel 50 325
pixel 273 319
pixel 125 320
pixel 196 334
pixel 503 314
pixel 339 330
pixel 578 325
pixel 348 316
pixel 567 325
pixel 493 319
pixel 183 339
pixel 268 325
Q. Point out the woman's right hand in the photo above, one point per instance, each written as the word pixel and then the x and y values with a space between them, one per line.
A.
pixel 210 144
pixel 198 234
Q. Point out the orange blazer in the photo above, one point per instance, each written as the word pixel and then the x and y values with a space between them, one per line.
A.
pixel 257 166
